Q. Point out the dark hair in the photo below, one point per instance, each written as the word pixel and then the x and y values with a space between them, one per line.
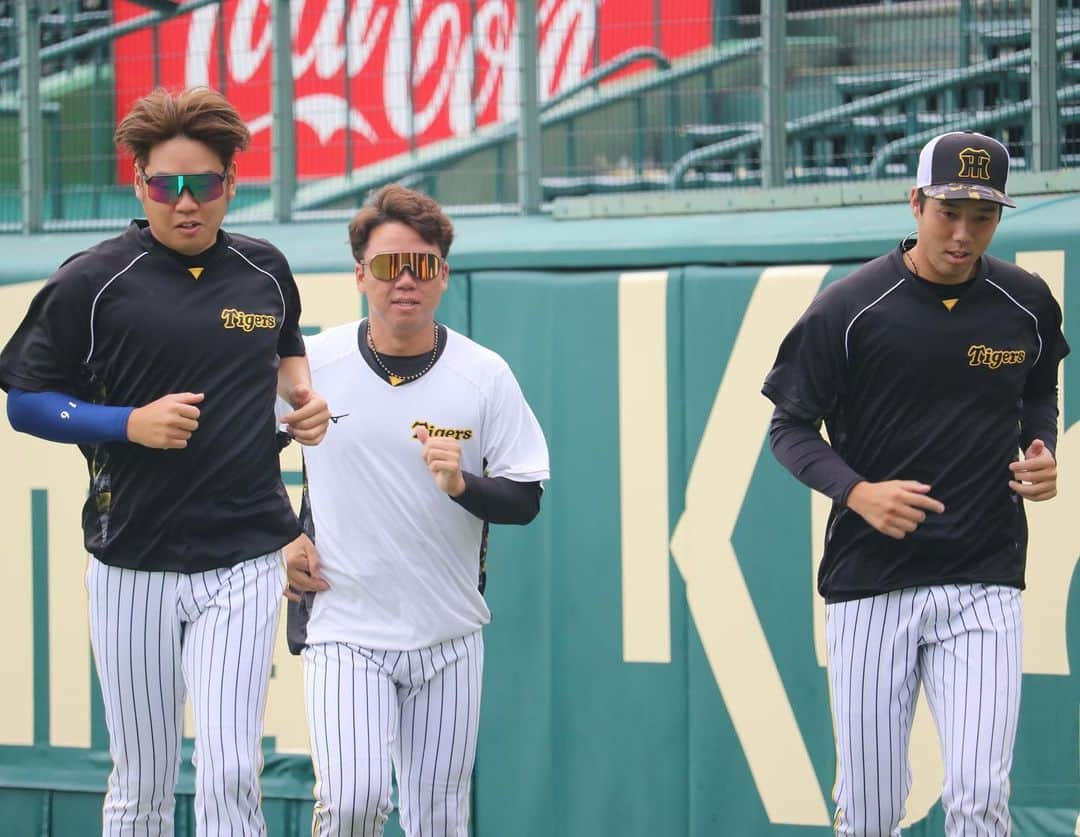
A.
pixel 923 199
pixel 405 206
pixel 200 114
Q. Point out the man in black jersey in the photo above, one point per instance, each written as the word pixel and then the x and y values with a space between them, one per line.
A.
pixel 932 367
pixel 160 353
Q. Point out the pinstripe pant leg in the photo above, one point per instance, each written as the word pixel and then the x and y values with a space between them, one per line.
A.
pixel 226 658
pixel 352 715
pixel 439 721
pixel 873 685
pixel 972 673
pixel 135 636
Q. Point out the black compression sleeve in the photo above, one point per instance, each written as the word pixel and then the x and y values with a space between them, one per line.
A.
pixel 500 500
pixel 1038 420
pixel 798 446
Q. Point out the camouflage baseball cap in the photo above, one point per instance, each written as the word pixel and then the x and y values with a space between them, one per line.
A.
pixel 963 165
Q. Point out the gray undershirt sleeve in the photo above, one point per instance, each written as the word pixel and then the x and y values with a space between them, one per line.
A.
pixel 500 500
pixel 798 446
pixel 1038 420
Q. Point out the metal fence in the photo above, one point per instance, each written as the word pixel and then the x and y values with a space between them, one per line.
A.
pixel 590 98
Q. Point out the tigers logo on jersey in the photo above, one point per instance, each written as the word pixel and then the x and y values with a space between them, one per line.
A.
pixel 994 358
pixel 446 432
pixel 974 164
pixel 234 318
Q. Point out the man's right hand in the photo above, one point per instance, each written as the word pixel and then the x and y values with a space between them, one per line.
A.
pixel 302 569
pixel 895 508
pixel 165 424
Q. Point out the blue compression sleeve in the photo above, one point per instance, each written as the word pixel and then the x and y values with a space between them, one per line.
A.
pixel 62 418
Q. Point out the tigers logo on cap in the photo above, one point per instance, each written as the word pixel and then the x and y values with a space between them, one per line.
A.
pixel 963 165
pixel 974 164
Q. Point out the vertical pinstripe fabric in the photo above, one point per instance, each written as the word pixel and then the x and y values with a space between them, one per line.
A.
pixel 135 635
pixel 156 635
pixel 972 673
pixel 962 644
pixel 415 711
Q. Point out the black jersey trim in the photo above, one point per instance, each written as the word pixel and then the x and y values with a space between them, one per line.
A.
pixel 277 284
pixel 298 614
pixel 97 296
pixel 847 331
pixel 203 259
pixel 1038 334
pixel 855 595
pixel 419 360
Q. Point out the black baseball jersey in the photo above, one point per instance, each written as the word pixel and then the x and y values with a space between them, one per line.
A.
pixel 914 387
pixel 129 321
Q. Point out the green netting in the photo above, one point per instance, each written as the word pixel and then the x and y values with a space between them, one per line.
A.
pixel 635 96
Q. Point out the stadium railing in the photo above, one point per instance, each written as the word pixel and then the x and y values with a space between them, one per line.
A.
pixel 859 97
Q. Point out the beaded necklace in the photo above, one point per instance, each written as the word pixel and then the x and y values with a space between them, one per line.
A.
pixel 394 379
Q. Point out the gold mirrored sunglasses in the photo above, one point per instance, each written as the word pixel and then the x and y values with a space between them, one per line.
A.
pixel 388 266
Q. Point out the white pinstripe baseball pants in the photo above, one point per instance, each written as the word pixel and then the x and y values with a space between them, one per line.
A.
pixel 415 710
pixel 156 635
pixel 962 644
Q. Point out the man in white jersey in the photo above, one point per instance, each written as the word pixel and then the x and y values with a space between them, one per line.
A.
pixel 432 440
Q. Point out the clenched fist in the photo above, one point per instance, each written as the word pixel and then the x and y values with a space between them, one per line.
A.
pixel 1035 476
pixel 165 424
pixel 443 457
pixel 310 415
pixel 302 569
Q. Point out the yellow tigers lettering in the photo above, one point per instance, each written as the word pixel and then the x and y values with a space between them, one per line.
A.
pixel 235 318
pixel 442 432
pixel 994 358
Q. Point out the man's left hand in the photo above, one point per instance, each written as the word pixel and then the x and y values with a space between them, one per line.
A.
pixel 310 416
pixel 443 458
pixel 1035 476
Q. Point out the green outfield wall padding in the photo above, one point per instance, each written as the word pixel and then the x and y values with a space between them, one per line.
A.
pixel 791 236
pixel 654 665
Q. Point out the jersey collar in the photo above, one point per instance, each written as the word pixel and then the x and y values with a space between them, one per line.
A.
pixel 140 228
pixel 898 261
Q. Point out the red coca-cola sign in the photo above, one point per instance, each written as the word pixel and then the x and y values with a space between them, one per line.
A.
pixel 390 74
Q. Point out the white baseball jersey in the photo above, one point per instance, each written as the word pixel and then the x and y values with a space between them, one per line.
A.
pixel 401 557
